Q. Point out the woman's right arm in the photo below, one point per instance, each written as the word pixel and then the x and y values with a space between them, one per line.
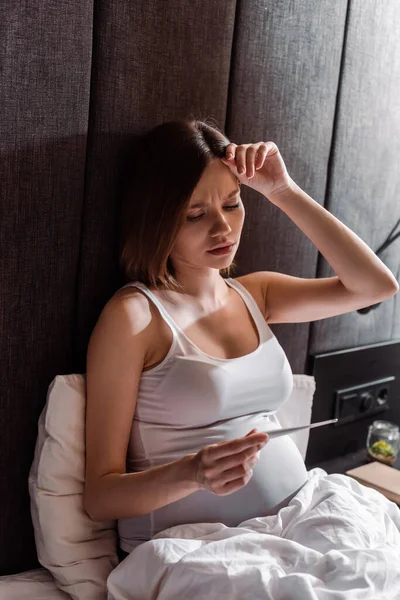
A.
pixel 116 355
pixel 115 358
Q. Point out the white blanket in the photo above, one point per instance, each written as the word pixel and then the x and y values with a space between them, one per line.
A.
pixel 336 540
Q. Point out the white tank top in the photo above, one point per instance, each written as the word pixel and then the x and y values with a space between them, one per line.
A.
pixel 192 399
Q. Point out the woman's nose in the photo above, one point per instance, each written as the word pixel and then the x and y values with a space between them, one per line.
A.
pixel 221 224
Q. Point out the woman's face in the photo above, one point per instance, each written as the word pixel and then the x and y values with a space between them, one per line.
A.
pixel 215 216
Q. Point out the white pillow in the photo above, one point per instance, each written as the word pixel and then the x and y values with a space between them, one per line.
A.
pixel 81 553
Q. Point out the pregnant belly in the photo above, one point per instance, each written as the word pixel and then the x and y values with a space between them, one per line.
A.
pixel 277 477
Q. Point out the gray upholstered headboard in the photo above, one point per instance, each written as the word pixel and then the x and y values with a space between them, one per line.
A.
pixel 79 78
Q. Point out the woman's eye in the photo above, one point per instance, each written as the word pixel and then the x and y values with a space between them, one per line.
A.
pixel 226 207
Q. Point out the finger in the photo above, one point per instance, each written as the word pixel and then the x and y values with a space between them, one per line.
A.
pixel 229 448
pixel 261 154
pixel 241 159
pixel 232 486
pixel 250 159
pixel 244 472
pixel 230 151
pixel 234 460
pixel 250 432
pixel 241 471
pixel 259 434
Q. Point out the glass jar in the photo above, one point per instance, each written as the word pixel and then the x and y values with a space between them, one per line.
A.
pixel 383 441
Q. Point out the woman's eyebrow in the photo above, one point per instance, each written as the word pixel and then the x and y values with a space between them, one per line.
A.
pixel 201 204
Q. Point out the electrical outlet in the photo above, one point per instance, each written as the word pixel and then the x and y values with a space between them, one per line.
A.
pixel 352 371
pixel 361 401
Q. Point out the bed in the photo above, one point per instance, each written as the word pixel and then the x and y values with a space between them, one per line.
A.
pixel 335 539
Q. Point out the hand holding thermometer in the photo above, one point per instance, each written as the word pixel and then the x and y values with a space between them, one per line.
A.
pixel 278 432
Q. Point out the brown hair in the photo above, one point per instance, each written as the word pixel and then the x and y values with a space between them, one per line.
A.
pixel 162 168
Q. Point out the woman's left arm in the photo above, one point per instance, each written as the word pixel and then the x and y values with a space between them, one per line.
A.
pixel 357 266
pixel 261 167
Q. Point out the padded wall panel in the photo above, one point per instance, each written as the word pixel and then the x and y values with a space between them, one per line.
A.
pixel 152 62
pixel 44 99
pixel 364 185
pixel 285 73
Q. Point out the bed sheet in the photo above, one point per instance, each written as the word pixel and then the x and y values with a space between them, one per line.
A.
pixel 336 540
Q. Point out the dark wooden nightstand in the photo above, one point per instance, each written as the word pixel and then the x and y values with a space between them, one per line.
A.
pixel 341 464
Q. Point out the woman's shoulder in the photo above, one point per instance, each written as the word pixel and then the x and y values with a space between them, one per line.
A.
pixel 130 304
pixel 252 284
pixel 129 313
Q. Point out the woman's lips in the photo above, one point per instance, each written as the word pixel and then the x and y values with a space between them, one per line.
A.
pixel 224 250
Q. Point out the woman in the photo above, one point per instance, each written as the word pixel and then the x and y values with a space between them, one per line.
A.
pixel 183 371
